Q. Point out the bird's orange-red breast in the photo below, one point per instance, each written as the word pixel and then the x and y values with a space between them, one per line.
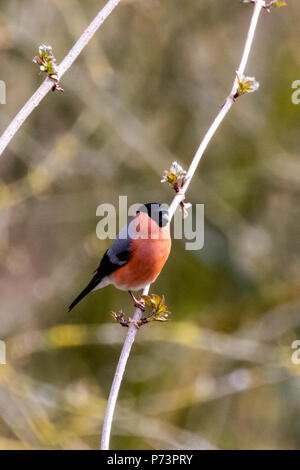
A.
pixel 138 254
pixel 148 253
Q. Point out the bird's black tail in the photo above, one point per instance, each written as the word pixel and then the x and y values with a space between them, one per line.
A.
pixel 94 282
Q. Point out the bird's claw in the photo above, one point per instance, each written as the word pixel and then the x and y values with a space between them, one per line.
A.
pixel 139 304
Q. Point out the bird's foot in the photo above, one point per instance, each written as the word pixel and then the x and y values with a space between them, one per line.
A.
pixel 139 304
pixel 158 312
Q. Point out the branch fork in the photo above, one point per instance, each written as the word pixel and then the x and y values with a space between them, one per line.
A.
pixel 159 312
pixel 126 323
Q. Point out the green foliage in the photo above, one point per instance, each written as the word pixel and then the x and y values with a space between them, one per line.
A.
pixel 278 3
pixel 270 4
pixel 46 60
pixel 246 85
pixel 47 63
pixel 174 176
pixel 159 310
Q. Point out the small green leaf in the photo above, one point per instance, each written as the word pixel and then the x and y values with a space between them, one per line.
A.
pixel 278 4
pixel 159 311
pixel 156 300
pixel 246 85
pixel 174 175
pixel 46 60
pixel 47 63
pixel 147 300
pixel 269 4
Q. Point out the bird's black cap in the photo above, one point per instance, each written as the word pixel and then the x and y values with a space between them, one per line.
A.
pixel 158 212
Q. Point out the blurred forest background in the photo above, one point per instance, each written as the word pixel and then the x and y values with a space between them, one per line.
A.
pixel 142 94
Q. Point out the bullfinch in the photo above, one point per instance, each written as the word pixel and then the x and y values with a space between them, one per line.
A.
pixel 137 256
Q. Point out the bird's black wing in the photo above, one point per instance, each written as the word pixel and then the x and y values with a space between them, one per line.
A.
pixel 115 257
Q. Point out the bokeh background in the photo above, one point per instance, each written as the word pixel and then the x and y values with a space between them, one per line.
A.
pixel 142 94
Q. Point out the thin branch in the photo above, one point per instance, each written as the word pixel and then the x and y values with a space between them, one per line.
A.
pixel 112 400
pixel 47 85
pixel 114 391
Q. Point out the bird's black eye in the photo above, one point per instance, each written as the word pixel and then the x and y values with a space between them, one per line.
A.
pixel 157 212
pixel 160 220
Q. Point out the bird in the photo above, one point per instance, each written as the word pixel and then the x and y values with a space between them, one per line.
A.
pixel 137 255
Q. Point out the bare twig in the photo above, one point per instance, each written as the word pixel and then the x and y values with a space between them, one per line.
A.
pixel 114 391
pixel 47 85
pixel 112 400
